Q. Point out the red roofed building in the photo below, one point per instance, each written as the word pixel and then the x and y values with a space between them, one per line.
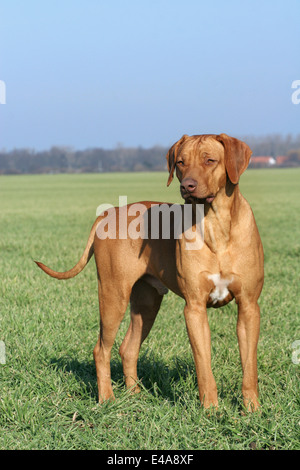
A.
pixel 262 162
pixel 281 159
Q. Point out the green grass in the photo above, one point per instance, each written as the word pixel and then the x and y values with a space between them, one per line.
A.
pixel 48 385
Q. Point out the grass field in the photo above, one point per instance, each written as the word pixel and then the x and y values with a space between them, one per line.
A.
pixel 49 328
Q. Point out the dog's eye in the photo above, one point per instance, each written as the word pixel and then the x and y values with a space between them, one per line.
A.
pixel 180 163
pixel 210 161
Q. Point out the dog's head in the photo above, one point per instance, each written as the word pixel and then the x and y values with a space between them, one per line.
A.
pixel 204 163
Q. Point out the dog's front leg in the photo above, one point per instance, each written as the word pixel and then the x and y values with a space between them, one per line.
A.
pixel 248 333
pixel 199 335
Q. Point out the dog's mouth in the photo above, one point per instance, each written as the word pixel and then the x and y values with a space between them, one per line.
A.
pixel 193 199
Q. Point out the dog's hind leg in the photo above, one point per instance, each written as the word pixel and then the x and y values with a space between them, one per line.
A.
pixel 112 305
pixel 145 302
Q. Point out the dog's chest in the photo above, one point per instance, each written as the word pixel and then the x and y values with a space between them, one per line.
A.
pixel 220 291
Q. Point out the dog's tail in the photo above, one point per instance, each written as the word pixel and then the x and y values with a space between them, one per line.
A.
pixel 87 254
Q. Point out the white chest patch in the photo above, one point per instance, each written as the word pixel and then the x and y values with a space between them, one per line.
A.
pixel 220 291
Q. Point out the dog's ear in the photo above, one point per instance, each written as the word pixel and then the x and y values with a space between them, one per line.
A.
pixel 172 156
pixel 237 156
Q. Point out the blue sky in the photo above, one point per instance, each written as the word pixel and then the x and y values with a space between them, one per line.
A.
pixel 95 73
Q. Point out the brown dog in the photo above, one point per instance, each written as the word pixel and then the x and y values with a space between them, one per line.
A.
pixel 227 264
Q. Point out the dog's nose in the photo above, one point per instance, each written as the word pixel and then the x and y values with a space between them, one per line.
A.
pixel 188 185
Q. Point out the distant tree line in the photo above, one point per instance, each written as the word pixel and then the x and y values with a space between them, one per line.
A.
pixel 68 160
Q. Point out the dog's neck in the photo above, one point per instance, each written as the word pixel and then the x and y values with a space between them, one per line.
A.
pixel 219 216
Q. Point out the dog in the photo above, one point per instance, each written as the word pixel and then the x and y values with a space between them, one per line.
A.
pixel 227 264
